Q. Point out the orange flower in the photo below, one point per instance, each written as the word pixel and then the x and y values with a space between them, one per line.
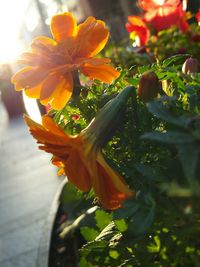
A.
pixel 51 62
pixel 81 160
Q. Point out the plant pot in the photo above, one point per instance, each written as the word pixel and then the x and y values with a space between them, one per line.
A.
pixel 45 242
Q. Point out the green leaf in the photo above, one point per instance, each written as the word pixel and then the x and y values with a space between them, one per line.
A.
pixel 189 156
pixel 121 225
pixel 150 172
pixel 158 109
pixel 70 193
pixel 129 208
pixel 102 219
pixel 177 59
pixel 143 219
pixel 114 254
pixel 89 233
pixel 169 137
pixel 94 246
pixel 154 247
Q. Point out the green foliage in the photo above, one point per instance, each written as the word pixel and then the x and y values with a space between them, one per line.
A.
pixel 157 149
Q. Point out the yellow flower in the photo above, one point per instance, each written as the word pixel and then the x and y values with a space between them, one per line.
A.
pixel 51 62
pixel 81 160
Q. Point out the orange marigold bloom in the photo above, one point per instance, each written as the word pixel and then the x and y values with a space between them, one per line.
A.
pixel 81 160
pixel 51 62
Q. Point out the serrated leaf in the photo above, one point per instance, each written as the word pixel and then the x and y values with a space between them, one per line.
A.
pixel 89 233
pixel 121 225
pixel 177 59
pixel 102 219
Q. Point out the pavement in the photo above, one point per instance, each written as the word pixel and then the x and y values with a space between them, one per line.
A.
pixel 28 184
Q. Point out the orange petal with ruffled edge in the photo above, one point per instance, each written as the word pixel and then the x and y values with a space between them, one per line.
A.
pixel 49 134
pixel 63 26
pixel 59 93
pixel 91 38
pixel 28 77
pixel 104 72
pixel 109 186
pixel 51 126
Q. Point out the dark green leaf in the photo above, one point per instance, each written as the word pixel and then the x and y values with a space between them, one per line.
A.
pixel 189 156
pixel 177 59
pixel 169 137
pixel 158 109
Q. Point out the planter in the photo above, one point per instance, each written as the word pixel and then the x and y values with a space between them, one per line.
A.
pixel 45 242
pixel 61 238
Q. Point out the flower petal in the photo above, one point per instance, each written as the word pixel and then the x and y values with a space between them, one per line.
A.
pixel 91 38
pixel 28 77
pixel 77 172
pixel 59 93
pixel 50 125
pixel 109 186
pixel 43 45
pixel 63 26
pixel 153 4
pixel 104 72
pixel 49 85
pixel 33 59
pixel 34 92
pixel 138 26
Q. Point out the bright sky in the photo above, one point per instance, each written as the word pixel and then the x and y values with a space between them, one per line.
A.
pixel 13 15
pixel 11 18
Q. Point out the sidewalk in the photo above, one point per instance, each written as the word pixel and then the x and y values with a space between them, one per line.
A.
pixel 28 183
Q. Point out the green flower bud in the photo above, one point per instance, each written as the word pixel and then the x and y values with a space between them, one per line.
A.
pixel 109 118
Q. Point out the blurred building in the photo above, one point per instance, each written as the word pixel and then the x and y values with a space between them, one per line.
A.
pixel 113 12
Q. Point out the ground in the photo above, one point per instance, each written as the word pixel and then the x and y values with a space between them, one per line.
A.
pixel 28 184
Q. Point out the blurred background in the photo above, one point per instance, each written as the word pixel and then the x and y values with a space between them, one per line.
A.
pixel 21 20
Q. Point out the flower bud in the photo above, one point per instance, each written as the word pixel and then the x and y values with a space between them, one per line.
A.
pixel 109 118
pixel 148 86
pixel 190 66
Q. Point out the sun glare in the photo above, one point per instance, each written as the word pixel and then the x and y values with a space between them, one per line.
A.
pixel 11 20
pixel 160 2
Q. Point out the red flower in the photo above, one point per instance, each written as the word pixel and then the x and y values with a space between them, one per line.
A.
pixel 198 16
pixel 138 27
pixel 165 13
